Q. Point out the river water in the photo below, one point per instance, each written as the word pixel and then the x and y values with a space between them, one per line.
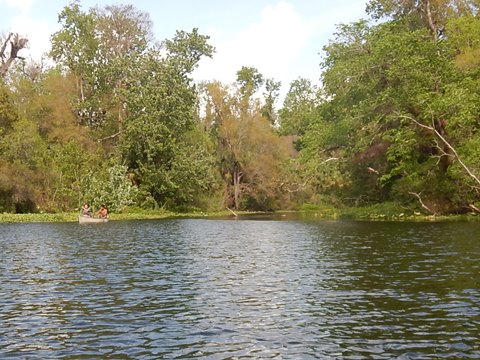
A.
pixel 246 288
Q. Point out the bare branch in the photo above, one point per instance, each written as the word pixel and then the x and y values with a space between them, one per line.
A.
pixel 33 70
pixel 455 154
pixel 431 24
pixel 473 207
pixel 17 43
pixel 417 195
pixel 4 47
pixel 328 160
pixel 109 137
pixel 441 151
pixel 233 212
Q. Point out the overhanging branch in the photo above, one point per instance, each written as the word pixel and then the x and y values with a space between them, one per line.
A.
pixel 440 136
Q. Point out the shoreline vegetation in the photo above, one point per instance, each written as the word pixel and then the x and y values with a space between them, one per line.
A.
pixel 351 214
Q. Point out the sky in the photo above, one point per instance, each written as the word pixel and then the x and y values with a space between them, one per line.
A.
pixel 283 39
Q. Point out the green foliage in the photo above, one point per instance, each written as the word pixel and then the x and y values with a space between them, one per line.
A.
pixel 300 107
pixel 186 49
pixel 99 47
pixel 464 37
pixel 70 165
pixel 381 211
pixel 251 156
pixel 156 144
pixel 391 92
pixel 149 126
pixel 250 80
pixel 431 15
pixel 272 91
pixel 8 113
pixel 189 172
pixel 112 187
pixel 75 45
pixel 22 166
pixel 402 153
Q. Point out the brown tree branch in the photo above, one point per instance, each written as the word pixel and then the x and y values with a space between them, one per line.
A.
pixel 109 137
pixel 4 47
pixel 417 195
pixel 17 43
pixel 233 212
pixel 431 24
pixel 455 154
pixel 473 207
pixel 441 151
pixel 328 160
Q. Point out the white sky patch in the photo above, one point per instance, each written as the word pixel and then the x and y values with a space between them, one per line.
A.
pixel 324 24
pixel 37 32
pixel 284 41
pixel 321 28
pixel 22 5
pixel 271 45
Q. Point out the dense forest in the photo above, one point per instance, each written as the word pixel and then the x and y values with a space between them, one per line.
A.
pixel 115 117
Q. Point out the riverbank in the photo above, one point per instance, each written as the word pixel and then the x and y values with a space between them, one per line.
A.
pixel 353 214
pixel 387 211
pixel 73 216
pixel 135 215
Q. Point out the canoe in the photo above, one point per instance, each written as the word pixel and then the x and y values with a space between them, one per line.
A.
pixel 90 220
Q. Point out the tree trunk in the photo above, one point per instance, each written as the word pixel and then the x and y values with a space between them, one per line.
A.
pixel 430 22
pixel 237 176
pixel 447 156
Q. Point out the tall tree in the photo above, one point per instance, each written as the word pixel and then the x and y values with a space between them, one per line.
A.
pixel 249 80
pixel 300 107
pixel 271 94
pixel 98 46
pixel 251 155
pixel 161 99
pixel 75 47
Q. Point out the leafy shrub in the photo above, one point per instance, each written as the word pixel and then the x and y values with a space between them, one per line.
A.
pixel 113 188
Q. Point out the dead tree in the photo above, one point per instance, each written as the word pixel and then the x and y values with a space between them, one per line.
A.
pixel 9 52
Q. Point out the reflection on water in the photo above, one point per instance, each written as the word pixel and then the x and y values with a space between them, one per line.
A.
pixel 196 288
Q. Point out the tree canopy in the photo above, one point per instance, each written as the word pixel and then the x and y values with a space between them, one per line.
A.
pixel 117 119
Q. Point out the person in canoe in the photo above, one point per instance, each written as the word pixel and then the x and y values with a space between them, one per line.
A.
pixel 103 212
pixel 86 210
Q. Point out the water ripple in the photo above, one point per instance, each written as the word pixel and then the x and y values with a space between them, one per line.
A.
pixel 239 289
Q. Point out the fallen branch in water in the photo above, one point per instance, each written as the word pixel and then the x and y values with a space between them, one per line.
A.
pixel 233 212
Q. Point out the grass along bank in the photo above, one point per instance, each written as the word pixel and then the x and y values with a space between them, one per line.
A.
pixel 388 211
pixel 379 212
pixel 136 215
pixel 73 216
